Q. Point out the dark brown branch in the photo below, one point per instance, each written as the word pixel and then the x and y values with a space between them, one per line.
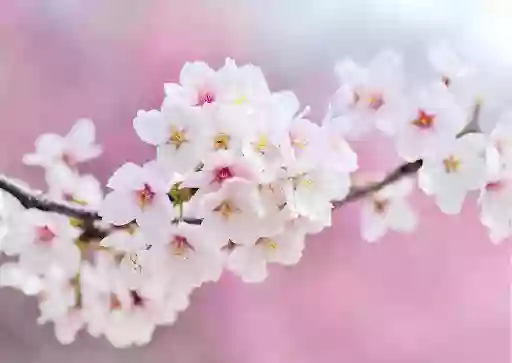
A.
pixel 36 200
pixel 401 172
pixel 31 199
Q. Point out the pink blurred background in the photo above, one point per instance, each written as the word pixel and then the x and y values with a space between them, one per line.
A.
pixel 439 295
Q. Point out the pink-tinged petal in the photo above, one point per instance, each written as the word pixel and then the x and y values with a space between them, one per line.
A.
pixel 248 263
pixel 49 148
pixel 151 127
pixel 402 217
pixel 83 132
pixel 67 326
pixel 195 74
pixel 158 177
pixel 451 202
pixel 128 177
pixel 373 226
pixel 119 208
pixel 67 257
pixel 87 153
pixel 36 260
pixel 287 103
pixel 158 213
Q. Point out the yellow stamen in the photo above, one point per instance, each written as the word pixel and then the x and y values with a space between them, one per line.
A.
pixel 178 138
pixel 451 164
pixel 307 182
pixel 221 141
pixel 267 242
pixel 226 208
pixel 261 144
pixel 241 100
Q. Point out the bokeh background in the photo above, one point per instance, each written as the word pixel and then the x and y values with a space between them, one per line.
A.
pixel 440 295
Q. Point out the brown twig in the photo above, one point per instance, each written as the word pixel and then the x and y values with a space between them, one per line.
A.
pixel 399 173
pixel 88 218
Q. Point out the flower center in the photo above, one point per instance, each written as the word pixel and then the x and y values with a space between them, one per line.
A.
pixel 451 164
pixel 380 205
pixel 205 97
pixel 261 144
pixel 180 247
pixel 241 100
pixel 298 142
pixel 222 174
pixel 115 303
pixel 145 196
pixel 178 137
pixel 494 186
pixel 221 141
pixel 446 80
pixel 267 243
pixel 424 120
pixel 68 159
pixel 226 208
pixel 45 234
pixel 375 102
pixel 137 300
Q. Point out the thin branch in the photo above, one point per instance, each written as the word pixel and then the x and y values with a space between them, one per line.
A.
pixel 399 173
pixel 33 199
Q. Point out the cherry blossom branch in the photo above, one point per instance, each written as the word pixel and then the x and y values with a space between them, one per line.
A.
pixel 37 200
pixel 397 174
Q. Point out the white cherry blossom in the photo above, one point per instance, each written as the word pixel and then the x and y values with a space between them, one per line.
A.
pixel 459 78
pixel 66 184
pixel 433 119
pixel 388 209
pixel 233 212
pixel 139 193
pixel 186 255
pixel 178 131
pixel 198 85
pixel 43 241
pixel 12 275
pixel 452 170
pixel 250 261
pixel 218 168
pixel 305 147
pixel 369 95
pixel 76 147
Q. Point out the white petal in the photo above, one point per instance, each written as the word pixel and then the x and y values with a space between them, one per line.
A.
pixel 195 74
pixel 402 217
pixel 373 226
pixel 250 265
pixel 151 127
pixel 119 208
pixel 159 212
pixel 127 177
pixel 67 257
pixel 49 148
pixel 450 202
pixel 83 132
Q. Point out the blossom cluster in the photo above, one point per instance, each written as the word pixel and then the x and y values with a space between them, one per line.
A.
pixel 240 177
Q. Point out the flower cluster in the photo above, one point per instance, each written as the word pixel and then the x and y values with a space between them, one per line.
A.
pixel 240 177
